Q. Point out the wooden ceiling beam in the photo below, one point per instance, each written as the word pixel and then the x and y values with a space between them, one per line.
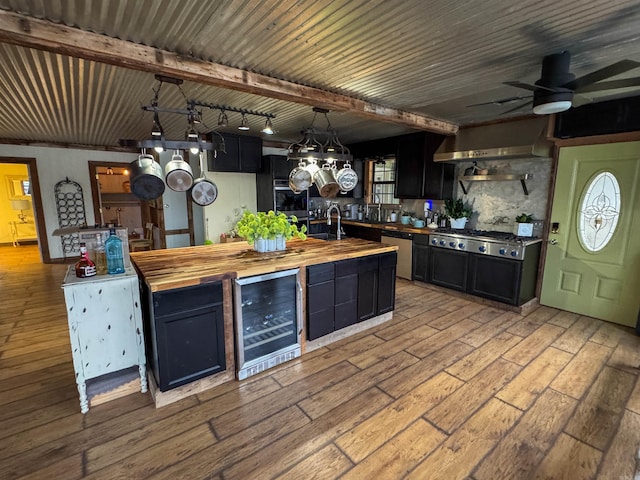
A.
pixel 45 35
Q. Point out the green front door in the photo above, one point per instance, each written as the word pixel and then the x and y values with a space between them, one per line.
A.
pixel 592 266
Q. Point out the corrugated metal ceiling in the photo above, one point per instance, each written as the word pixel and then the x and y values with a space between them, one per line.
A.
pixel 433 58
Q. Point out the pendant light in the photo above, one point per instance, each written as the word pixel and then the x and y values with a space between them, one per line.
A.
pixel 244 124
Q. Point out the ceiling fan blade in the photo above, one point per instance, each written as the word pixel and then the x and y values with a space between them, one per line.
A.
pixel 500 102
pixel 602 74
pixel 526 86
pixel 611 85
pixel 579 100
pixel 519 107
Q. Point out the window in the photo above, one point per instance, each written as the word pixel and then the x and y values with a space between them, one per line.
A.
pixel 383 179
pixel 599 212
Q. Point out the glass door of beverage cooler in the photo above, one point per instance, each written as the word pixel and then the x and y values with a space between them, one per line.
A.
pixel 268 320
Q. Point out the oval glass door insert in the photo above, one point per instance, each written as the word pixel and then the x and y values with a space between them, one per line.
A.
pixel 599 212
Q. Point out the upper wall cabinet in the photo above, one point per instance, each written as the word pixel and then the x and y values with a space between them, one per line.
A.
pixel 417 175
pixel 243 154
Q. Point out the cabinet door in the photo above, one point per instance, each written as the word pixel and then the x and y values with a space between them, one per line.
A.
pixel 320 300
pixel 346 293
pixel 410 166
pixel 279 165
pixel 191 346
pixel 367 287
pixel 495 278
pixel 448 268
pixel 250 154
pixel 228 161
pixel 386 283
pixel 420 257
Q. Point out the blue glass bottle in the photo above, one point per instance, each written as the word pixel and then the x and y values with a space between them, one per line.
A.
pixel 115 258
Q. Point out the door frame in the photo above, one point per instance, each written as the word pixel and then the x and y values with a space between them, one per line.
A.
pixel 36 199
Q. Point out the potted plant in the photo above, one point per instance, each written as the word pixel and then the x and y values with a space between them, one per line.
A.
pixel 269 231
pixel 524 225
pixel 458 212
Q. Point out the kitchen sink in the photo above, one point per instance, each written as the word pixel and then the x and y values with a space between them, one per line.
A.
pixel 325 236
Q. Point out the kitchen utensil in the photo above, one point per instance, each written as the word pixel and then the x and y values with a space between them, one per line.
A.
pixel 300 178
pixel 178 174
pixel 326 182
pixel 146 178
pixel 203 192
pixel 346 178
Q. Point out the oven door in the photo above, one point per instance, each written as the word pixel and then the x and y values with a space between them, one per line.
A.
pixel 448 268
pixel 290 203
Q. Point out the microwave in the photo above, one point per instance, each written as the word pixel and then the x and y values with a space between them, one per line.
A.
pixel 288 202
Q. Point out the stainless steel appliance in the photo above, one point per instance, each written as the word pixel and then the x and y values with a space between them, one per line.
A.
pixel 289 202
pixel 268 316
pixel 495 265
pixel 405 250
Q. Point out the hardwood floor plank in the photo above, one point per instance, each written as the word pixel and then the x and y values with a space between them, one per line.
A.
pixel 564 319
pixel 461 452
pixel 577 334
pixel 400 454
pixel 374 432
pixel 442 338
pixel 490 329
pixel 454 410
pixel 524 447
pixel 569 458
pixel 609 334
pixel 633 403
pixel 597 417
pixel 325 464
pixel 231 395
pixel 252 412
pixel 469 366
pixel 523 390
pixel 286 451
pixel 468 311
pixel 405 326
pixel 340 392
pixel 617 461
pixel 533 345
pixel 525 326
pixel 413 376
pixel 578 375
pixel 69 468
pixel 626 356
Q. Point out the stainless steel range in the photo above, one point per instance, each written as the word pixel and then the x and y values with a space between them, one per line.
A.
pixel 496 244
pixel 495 265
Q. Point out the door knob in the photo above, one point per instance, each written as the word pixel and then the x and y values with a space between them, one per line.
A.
pixel 553 241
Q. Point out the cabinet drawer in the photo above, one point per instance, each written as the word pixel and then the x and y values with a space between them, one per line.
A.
pixel 368 264
pixel 319 273
pixel 388 259
pixel 346 267
pixel 185 299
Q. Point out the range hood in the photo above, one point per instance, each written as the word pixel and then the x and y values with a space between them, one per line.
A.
pixel 509 140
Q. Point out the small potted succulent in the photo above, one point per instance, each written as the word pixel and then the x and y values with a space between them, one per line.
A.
pixel 458 212
pixel 524 225
pixel 269 231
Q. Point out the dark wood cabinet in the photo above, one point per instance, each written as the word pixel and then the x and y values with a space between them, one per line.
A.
pixel 417 175
pixel 346 293
pixel 448 268
pixel 386 295
pixel 243 154
pixel 343 293
pixel 184 333
pixel 420 258
pixel 320 300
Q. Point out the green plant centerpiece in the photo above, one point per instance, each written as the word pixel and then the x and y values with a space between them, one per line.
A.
pixel 524 218
pixel 458 212
pixel 269 231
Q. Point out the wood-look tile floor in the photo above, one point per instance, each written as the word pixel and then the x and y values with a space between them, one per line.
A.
pixel 448 389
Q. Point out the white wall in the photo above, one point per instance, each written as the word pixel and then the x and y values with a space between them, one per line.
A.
pixel 55 164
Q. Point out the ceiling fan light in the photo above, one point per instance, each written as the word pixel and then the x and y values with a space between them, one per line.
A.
pixel 552 107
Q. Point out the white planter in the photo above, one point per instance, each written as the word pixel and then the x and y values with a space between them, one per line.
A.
pixel 281 243
pixel 523 229
pixel 269 244
pixel 458 222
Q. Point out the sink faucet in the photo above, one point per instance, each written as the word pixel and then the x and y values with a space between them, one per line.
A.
pixel 378 207
pixel 329 210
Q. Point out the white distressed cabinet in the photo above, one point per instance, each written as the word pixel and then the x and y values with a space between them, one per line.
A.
pixel 105 327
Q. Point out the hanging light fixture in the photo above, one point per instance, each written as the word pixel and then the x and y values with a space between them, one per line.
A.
pixel 223 121
pixel 244 125
pixel 268 127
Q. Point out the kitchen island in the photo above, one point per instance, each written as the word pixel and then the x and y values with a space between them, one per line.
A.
pixel 188 302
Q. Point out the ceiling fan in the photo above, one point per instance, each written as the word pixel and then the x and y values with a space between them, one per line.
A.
pixel 555 90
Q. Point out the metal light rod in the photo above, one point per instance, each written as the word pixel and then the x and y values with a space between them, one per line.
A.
pixel 228 108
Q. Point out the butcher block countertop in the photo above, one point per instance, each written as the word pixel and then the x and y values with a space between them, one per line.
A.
pixel 182 267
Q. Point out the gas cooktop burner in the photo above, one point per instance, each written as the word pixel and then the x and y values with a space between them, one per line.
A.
pixel 484 242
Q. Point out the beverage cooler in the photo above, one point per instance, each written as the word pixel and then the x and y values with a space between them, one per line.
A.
pixel 268 312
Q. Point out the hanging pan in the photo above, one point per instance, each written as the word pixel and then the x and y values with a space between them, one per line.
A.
pixel 204 192
pixel 178 174
pixel 146 178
